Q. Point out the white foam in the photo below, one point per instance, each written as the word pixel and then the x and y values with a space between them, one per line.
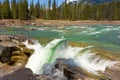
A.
pixel 59 49
pixel 109 26
pixel 118 36
pixel 35 61
pixel 92 63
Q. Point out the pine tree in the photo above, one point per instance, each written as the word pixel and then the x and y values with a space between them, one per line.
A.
pixel 69 11
pixel 79 11
pixel 86 14
pixel 110 6
pixel 0 9
pixel 23 10
pixel 65 11
pixel 49 10
pixel 32 10
pixel 98 12
pixel 60 11
pixel 94 12
pixel 20 9
pixel 6 13
pixel 54 9
pixel 118 9
pixel 74 13
pixel 37 10
pixel 114 10
pixel 14 9
pixel 43 12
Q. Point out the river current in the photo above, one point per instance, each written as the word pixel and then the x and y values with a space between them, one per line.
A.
pixel 53 42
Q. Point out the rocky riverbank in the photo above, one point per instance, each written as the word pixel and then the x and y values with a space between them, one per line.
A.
pixel 13 54
pixel 57 23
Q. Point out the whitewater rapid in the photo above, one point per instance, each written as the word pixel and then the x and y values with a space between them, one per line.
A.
pixel 58 48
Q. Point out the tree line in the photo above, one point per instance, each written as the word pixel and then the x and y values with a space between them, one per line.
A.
pixel 20 9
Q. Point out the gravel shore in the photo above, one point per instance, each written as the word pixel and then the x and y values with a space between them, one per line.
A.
pixel 57 23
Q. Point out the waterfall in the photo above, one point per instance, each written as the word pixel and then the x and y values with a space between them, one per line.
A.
pixel 35 61
pixel 42 54
pixel 58 48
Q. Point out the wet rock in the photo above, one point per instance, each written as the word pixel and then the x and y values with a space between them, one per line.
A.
pixel 7 69
pixel 56 75
pixel 105 79
pixel 33 24
pixel 13 38
pixel 32 29
pixel 12 51
pixel 113 73
pixel 44 77
pixel 71 72
pixel 13 54
pixel 8 44
pixel 49 72
pixel 62 70
pixel 5 53
pixel 21 74
pixel 2 24
pixel 20 57
pixel 59 75
pixel 47 69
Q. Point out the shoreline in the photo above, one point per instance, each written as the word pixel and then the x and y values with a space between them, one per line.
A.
pixel 57 23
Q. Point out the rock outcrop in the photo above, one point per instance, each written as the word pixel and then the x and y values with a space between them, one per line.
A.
pixel 113 73
pixel 6 53
pixel 13 54
pixel 21 74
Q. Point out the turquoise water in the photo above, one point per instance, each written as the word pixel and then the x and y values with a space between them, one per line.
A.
pixel 105 37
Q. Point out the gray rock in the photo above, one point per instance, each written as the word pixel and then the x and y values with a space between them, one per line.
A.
pixel 47 69
pixel 21 74
pixel 70 71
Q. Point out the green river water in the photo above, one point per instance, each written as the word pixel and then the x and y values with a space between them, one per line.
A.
pixel 105 37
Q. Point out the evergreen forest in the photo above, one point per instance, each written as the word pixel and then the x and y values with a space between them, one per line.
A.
pixel 21 9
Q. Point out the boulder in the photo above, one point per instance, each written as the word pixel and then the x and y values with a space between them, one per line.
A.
pixel 7 69
pixel 113 73
pixel 57 75
pixel 21 74
pixel 63 70
pixel 49 72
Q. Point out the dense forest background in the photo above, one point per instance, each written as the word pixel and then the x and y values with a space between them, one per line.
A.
pixel 20 9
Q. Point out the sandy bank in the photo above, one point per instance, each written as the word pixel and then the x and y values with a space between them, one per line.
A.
pixel 57 23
